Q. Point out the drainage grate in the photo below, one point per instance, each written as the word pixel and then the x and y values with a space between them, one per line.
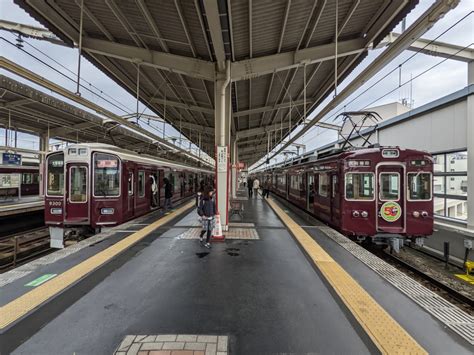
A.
pixel 452 316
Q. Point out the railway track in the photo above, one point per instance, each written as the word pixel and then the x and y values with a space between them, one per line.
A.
pixel 434 284
pixel 18 248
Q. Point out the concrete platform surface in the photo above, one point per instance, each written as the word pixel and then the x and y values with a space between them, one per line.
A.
pixel 263 294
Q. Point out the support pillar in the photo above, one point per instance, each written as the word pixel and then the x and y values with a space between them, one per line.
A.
pixel 470 148
pixel 235 162
pixel 222 118
pixel 43 150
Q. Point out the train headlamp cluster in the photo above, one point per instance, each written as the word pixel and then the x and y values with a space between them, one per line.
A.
pixel 354 163
pixel 417 214
pixel 363 214
pixel 56 210
pixel 107 210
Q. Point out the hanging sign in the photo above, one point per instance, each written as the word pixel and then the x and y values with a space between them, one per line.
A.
pixel 11 159
pixel 221 159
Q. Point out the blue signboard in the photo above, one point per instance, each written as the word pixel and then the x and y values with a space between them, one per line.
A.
pixel 11 159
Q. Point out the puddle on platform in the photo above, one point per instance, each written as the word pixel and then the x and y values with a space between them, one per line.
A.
pixel 232 251
pixel 202 254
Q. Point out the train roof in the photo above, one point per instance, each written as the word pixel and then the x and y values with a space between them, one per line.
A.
pixel 129 155
pixel 314 157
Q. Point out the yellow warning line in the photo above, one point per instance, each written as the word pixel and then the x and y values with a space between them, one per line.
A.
pixel 34 298
pixel 385 332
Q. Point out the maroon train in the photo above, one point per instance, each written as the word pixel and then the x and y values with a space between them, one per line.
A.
pixel 89 186
pixel 363 192
pixel 29 178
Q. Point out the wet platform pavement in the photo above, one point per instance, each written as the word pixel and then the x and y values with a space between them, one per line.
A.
pixel 263 294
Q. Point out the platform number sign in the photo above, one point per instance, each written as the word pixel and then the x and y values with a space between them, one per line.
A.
pixel 11 159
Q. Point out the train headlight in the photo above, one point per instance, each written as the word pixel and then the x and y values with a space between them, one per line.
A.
pixel 56 210
pixel 364 214
pixel 355 214
pixel 107 210
pixel 416 214
pixel 424 214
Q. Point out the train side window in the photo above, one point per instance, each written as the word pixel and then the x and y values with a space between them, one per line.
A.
pixel 130 183
pixel 323 184
pixel 389 186
pixel 141 183
pixel 55 175
pixel 27 178
pixel 106 175
pixel 334 186
pixel 359 186
pixel 78 184
pixel 419 186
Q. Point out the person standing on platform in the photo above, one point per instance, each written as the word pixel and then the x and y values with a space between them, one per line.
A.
pixel 168 194
pixel 266 188
pixel 250 186
pixel 207 212
pixel 256 186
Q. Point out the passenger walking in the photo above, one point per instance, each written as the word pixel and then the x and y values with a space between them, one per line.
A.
pixel 168 194
pixel 256 186
pixel 207 212
pixel 250 186
pixel 266 188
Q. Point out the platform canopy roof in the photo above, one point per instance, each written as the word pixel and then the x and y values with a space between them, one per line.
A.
pixel 28 110
pixel 180 47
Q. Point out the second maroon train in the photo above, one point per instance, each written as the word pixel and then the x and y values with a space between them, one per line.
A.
pixel 366 192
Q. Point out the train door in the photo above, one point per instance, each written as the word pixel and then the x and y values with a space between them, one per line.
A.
pixel 130 210
pixel 310 192
pixel 391 198
pixel 77 193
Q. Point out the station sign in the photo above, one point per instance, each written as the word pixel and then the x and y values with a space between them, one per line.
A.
pixel 11 159
pixel 221 159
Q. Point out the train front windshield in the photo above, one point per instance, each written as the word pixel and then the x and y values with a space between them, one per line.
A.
pixel 106 175
pixel 55 183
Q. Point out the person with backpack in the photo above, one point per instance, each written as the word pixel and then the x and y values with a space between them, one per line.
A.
pixel 207 212
pixel 168 194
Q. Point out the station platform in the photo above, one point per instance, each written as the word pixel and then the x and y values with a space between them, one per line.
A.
pixel 455 236
pixel 21 205
pixel 277 284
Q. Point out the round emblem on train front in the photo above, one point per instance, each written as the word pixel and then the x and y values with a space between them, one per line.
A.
pixel 390 211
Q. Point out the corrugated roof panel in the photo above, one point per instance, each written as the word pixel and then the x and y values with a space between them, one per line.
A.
pixel 240 29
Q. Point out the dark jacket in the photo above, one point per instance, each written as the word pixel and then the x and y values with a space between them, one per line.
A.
pixel 168 190
pixel 207 206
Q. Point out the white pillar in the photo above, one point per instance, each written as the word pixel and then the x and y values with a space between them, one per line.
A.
pixel 470 148
pixel 222 138
pixel 43 148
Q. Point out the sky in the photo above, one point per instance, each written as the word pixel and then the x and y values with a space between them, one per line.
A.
pixel 444 79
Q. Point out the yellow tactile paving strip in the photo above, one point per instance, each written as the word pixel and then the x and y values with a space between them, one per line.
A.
pixel 21 306
pixel 385 332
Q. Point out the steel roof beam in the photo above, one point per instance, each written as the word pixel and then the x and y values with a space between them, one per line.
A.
pixel 20 102
pixel 182 105
pixel 270 108
pixel 256 131
pixel 250 68
pixel 434 48
pixel 215 30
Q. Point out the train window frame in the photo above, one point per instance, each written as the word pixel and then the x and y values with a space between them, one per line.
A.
pixel 94 154
pixel 398 185
pixel 130 182
pixel 409 185
pixel 372 174
pixel 61 195
pixel 141 184
pixel 69 199
pixel 326 194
